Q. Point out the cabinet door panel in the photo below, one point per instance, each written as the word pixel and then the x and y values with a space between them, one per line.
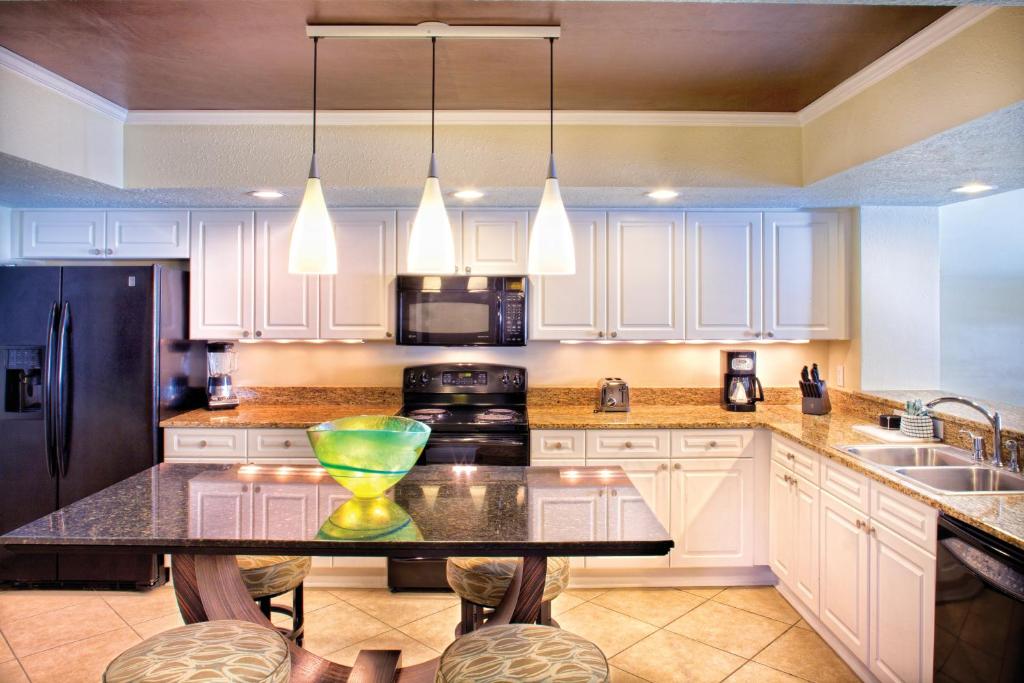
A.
pixel 574 306
pixel 780 522
pixel 285 510
pixel 723 275
pixel 220 509
pixel 359 302
pixel 902 607
pixel 805 276
pixel 806 516
pixel 405 221
pixel 653 483
pixel 494 242
pixel 330 497
pixel 645 275
pixel 287 306
pixel 221 295
pixel 582 509
pixel 713 512
pixel 843 574
pixel 149 234
pixel 68 234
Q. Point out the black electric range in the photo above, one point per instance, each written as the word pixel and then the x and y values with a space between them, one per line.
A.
pixel 477 416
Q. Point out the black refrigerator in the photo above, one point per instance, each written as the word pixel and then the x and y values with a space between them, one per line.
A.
pixel 91 359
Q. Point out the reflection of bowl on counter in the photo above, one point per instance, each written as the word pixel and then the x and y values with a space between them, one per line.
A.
pixel 368 454
pixel 362 519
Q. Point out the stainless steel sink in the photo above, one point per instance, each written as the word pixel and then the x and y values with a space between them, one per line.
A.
pixel 888 455
pixel 965 479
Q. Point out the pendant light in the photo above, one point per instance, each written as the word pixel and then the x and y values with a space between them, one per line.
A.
pixel 312 250
pixel 552 251
pixel 431 247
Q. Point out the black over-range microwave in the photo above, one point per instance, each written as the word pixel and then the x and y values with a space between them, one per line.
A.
pixel 461 310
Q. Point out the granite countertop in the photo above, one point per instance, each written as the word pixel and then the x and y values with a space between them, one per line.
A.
pixel 1001 515
pixel 435 511
pixel 275 416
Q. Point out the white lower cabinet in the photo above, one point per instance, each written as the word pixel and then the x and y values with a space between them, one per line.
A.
pixel 780 527
pixel 843 574
pixel 713 512
pixel 652 480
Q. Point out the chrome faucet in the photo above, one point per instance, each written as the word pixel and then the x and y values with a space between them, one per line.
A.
pixel 990 415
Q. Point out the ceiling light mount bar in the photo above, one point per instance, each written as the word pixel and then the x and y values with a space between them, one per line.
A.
pixel 434 29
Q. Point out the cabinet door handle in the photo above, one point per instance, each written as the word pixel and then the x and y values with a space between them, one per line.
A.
pixel 255 489
pixel 108 251
pixel 872 530
pixel 600 334
pixel 245 333
pixel 557 445
pixel 388 335
pixel 600 493
pixel 712 444
pixel 677 466
pixel 468 270
pixel 259 333
pixel 757 335
pixel 860 524
pixel 202 444
pixel 614 492
pixel 662 466
pixel 614 334
pixel 287 444
pixel 95 252
pixel 628 444
pixel 769 334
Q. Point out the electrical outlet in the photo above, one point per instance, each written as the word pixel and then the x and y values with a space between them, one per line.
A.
pixel 840 376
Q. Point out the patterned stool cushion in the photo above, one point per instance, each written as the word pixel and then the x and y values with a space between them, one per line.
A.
pixel 268 575
pixel 522 652
pixel 484 580
pixel 236 651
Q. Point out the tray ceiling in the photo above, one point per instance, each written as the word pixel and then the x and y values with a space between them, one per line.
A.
pixel 253 54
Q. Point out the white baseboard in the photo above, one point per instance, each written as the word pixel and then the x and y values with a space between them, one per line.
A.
pixel 859 668
pixel 671 578
pixel 326 577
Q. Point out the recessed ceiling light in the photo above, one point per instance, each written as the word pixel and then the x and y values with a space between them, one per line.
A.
pixel 265 194
pixel 973 188
pixel 662 194
pixel 468 194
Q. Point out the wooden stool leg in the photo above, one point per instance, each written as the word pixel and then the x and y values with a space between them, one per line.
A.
pixel 298 615
pixel 545 613
pixel 469 617
pixel 264 604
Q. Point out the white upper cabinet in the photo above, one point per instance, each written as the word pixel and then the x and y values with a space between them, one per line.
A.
pixel 221 295
pixel 62 234
pixel 358 302
pixel 723 275
pixel 286 305
pixel 645 275
pixel 575 306
pixel 494 242
pixel 805 294
pixel 405 221
pixel 147 234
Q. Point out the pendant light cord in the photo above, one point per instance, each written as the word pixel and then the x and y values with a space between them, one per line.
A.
pixel 316 40
pixel 433 87
pixel 551 92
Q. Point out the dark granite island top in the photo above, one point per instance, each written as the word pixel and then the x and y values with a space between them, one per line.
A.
pixel 435 511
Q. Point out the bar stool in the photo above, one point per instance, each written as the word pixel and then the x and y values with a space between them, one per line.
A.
pixel 481 582
pixel 268 576
pixel 522 652
pixel 227 650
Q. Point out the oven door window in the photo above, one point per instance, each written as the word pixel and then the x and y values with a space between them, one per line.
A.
pixel 448 318
pixel 476 450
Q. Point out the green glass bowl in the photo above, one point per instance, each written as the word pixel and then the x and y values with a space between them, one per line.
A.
pixel 368 454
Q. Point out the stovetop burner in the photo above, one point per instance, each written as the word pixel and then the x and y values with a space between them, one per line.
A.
pixel 429 414
pixel 498 415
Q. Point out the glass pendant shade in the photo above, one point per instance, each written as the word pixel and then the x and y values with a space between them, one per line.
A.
pixel 431 246
pixel 552 248
pixel 313 250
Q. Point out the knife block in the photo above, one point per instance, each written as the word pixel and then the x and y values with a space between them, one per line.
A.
pixel 817 406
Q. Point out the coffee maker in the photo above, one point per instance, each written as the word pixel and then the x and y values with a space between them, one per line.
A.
pixel 741 389
pixel 221 361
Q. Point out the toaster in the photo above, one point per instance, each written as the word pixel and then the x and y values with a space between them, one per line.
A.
pixel 613 395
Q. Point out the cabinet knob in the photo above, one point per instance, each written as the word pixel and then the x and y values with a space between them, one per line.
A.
pixel 872 530
pixel 255 489
pixel 600 334
pixel 558 445
pixel 712 444
pixel 108 251
pixel 468 270
pixel 790 456
pixel 600 493
pixel 615 492
pixel 860 524
pixel 245 333
pixel 95 252
pixel 456 270
pixel 615 334
pixel 389 335
pixel 287 444
pixel 757 335
pixel 202 444
pixel 769 334
pixel 662 466
pixel 259 333
pixel 628 444
pixel 677 466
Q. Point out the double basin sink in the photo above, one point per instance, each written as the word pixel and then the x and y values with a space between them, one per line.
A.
pixel 941 468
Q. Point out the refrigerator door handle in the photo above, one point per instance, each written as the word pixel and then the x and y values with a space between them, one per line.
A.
pixel 63 415
pixel 48 379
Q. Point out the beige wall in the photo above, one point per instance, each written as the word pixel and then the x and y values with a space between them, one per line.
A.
pixel 975 72
pixel 481 155
pixel 48 128
pixel 550 363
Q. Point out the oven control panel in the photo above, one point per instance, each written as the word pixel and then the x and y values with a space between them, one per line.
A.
pixel 464 378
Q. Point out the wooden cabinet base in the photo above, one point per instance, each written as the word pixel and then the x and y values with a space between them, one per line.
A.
pixel 210 587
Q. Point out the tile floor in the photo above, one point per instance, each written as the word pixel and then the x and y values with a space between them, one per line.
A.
pixel 657 635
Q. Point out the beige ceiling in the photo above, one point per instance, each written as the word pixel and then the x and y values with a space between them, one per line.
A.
pixel 253 54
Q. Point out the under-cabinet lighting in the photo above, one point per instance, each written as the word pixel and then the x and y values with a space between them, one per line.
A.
pixel 662 195
pixel 973 188
pixel 694 342
pixel 301 341
pixel 468 195
pixel 265 194
pixel 463 469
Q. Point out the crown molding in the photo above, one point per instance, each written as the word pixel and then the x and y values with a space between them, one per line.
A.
pixel 41 76
pixel 462 118
pixel 928 38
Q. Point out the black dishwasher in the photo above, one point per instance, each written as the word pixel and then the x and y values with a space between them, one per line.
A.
pixel 979 606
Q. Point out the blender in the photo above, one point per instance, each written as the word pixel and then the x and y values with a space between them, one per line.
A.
pixel 221 361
